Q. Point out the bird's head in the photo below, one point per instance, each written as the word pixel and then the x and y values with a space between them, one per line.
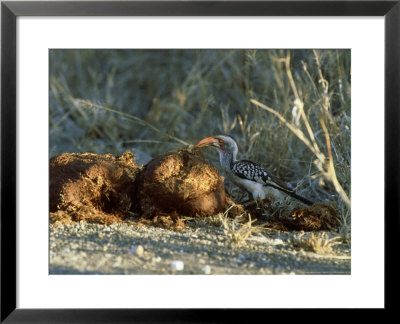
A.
pixel 223 143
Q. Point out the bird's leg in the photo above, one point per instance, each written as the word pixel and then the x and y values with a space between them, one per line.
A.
pixel 245 201
pixel 249 199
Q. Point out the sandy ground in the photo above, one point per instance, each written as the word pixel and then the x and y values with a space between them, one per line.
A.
pixel 125 248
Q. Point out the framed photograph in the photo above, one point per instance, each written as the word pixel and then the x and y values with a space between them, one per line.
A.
pixel 162 158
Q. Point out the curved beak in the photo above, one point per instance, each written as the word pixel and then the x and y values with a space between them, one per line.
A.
pixel 209 141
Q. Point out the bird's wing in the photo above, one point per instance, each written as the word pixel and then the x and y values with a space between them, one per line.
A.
pixel 252 171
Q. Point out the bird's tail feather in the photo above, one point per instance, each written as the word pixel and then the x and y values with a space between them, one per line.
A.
pixel 293 194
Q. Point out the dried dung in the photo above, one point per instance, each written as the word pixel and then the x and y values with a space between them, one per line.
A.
pixel 183 183
pixel 318 217
pixel 96 188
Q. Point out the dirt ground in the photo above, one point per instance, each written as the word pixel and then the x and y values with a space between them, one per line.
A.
pixel 125 248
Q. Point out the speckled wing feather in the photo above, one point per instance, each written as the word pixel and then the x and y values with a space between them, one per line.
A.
pixel 251 171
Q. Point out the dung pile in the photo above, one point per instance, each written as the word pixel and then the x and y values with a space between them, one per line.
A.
pixel 97 188
pixel 103 188
pixel 318 217
pixel 180 183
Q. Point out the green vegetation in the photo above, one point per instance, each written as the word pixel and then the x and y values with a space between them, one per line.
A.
pixel 288 109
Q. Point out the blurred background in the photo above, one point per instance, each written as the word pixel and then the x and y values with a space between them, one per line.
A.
pixel 289 110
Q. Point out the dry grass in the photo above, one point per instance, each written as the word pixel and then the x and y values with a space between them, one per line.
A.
pixel 237 232
pixel 324 164
pixel 316 242
pixel 211 221
pixel 344 231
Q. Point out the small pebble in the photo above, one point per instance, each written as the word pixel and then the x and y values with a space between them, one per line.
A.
pixel 240 258
pixel 278 242
pixel 156 259
pixel 206 270
pixel 177 265
pixel 138 250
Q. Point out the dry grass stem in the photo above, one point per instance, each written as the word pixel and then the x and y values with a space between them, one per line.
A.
pixel 330 173
pixel 319 243
pixel 292 127
pixel 237 233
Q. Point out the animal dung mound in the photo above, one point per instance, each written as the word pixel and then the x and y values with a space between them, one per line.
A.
pixel 92 187
pixel 180 182
pixel 318 217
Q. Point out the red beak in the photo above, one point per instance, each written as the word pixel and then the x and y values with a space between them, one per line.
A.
pixel 207 142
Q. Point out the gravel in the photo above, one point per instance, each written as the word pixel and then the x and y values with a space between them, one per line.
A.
pixel 125 248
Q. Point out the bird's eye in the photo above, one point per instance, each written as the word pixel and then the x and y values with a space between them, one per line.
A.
pixel 220 141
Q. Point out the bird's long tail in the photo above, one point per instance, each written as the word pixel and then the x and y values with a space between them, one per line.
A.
pixel 294 195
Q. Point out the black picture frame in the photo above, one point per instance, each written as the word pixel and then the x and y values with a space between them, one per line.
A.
pixel 9 13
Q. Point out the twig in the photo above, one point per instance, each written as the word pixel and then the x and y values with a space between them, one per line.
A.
pixel 331 168
pixel 293 128
pixel 300 104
